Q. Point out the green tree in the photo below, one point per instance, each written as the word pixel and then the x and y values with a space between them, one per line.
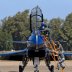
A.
pixel 55 28
pixel 67 31
pixel 5 41
pixel 17 23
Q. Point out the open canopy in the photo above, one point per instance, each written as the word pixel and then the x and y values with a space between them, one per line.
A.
pixel 36 17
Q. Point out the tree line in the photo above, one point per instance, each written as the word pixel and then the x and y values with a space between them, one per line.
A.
pixel 17 28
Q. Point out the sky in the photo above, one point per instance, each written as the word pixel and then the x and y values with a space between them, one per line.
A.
pixel 50 8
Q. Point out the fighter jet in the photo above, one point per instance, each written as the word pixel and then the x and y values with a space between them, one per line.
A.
pixel 36 49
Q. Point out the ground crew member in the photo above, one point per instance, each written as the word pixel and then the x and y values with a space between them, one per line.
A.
pixel 61 57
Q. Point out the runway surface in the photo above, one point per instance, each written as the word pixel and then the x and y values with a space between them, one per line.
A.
pixel 12 66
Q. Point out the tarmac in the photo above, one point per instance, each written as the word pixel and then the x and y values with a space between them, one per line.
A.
pixel 12 66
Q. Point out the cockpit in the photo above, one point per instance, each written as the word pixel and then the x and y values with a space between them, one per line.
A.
pixel 36 18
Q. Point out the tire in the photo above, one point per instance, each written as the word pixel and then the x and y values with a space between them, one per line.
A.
pixel 52 68
pixel 20 68
pixel 36 71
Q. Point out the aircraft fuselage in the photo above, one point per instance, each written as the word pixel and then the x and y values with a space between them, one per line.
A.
pixel 36 45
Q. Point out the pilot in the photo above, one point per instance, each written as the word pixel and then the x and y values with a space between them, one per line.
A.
pixel 43 26
pixel 47 33
pixel 44 30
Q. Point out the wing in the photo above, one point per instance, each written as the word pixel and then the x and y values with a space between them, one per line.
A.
pixel 67 54
pixel 20 42
pixel 20 52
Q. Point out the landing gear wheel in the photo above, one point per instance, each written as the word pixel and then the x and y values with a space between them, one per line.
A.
pixel 20 68
pixel 52 68
pixel 36 71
